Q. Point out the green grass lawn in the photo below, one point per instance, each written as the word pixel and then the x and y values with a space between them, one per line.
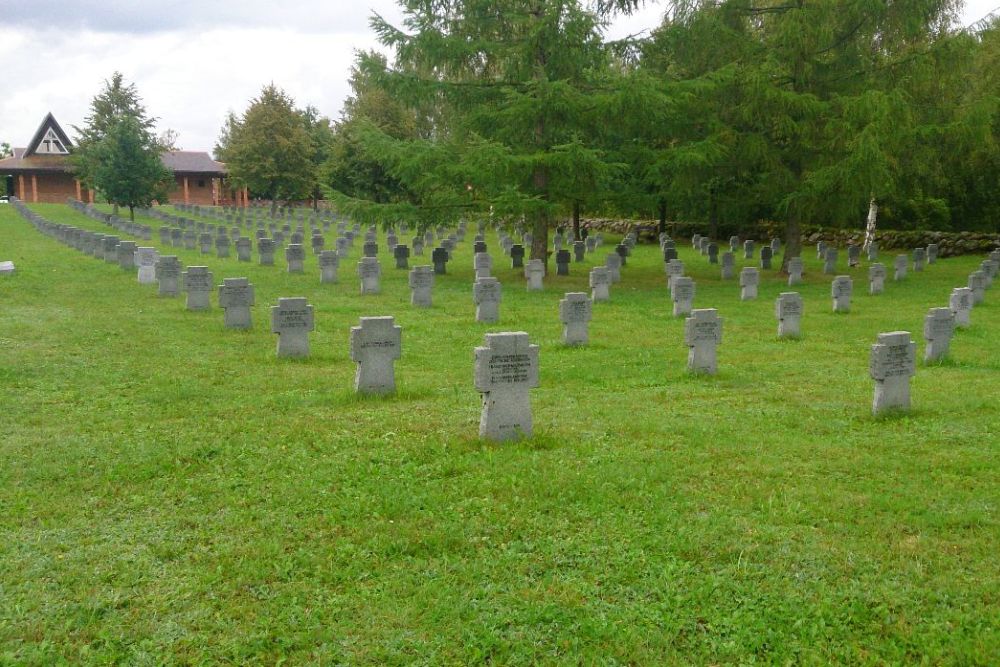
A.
pixel 173 493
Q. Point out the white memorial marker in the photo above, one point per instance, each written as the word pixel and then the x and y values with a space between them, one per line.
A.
pixel 900 265
pixel 675 269
pixel 600 281
pixel 795 267
pixel 292 320
pixel 977 283
pixel 295 255
pixel 483 265
pixel 375 346
pixel 702 334
pixel 575 311
pixel 893 363
pixel 168 272
pixel 613 263
pixel 506 369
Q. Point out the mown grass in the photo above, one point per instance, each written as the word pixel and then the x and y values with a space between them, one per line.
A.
pixel 172 493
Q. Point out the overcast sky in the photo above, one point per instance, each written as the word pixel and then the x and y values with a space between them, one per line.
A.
pixel 194 60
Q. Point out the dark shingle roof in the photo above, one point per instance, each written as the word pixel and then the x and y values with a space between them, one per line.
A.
pixel 193 162
pixel 181 162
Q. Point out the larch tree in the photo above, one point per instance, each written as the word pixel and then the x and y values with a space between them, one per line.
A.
pixel 511 91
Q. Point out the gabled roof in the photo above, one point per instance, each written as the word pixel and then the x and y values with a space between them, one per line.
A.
pixel 192 162
pixel 19 163
pixel 48 123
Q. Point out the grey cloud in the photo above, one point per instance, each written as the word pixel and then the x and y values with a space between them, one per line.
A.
pixel 145 16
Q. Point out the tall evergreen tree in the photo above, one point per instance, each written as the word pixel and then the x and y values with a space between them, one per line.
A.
pixel 513 90
pixel 129 171
pixel 116 101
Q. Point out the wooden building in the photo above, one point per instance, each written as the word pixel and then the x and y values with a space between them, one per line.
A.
pixel 41 172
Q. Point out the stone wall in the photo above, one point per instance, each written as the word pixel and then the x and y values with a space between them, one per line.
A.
pixel 950 243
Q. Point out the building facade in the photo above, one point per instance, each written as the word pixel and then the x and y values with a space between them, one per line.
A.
pixel 41 172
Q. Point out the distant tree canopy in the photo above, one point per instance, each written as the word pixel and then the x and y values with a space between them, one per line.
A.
pixel 728 112
pixel 274 149
pixel 117 152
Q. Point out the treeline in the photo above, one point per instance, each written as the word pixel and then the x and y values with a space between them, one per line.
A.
pixel 729 112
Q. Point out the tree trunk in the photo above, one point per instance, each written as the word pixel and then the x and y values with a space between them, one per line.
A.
pixel 793 238
pixel 131 213
pixel 662 212
pixel 114 209
pixel 576 220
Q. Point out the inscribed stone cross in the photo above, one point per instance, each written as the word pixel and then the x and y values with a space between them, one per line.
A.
pixel 939 325
pixel 421 281
pixel 575 311
pixel 168 272
pixel 788 310
pixel 893 363
pixel 375 346
pixel 236 297
pixel 506 369
pixel 486 295
pixel 198 284
pixel 329 262
pixel 292 319
pixel 702 334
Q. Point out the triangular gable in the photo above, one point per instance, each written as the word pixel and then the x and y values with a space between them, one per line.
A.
pixel 49 139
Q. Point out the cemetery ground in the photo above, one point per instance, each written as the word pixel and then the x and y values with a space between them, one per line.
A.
pixel 172 492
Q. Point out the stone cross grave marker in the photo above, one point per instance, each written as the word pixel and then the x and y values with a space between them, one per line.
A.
pixel 244 249
pixel 876 278
pixel 440 258
pixel 749 280
pixel 401 254
pixel 669 253
pixel 728 265
pixel 575 311
pixel 111 248
pixel 900 265
pixel 919 259
pixel 748 247
pixel 977 283
pixel 765 257
pixel 222 246
pixel 190 239
pixel 145 259
pixel 483 265
pixel 623 253
pixel 893 363
pixel 702 334
pixel 370 273
pixel 265 251
pixel 205 243
pixel 534 271
pixel 292 319
pixel 713 253
pixel 830 261
pixel 853 255
pixel 841 290
pixel 506 369
pixel 675 269
pixel 960 304
pixel 329 262
pixel 318 243
pixel 126 255
pixel 168 273
pixel 421 281
pixel 295 256
pixel 989 269
pixel 198 284
pixel 795 267
pixel 579 250
pixel 563 258
pixel 821 250
pixel 486 294
pixel 613 263
pixel 236 297
pixel 873 252
pixel 682 291
pixel 600 282
pixel 418 246
pixel 939 326
pixel 375 346
pixel 479 246
pixel 775 247
pixel 516 256
pixel 370 249
pixel 734 244
pixel 788 309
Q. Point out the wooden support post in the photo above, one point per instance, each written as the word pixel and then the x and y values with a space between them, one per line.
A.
pixel 20 187
pixel 34 188
pixel 79 194
pixel 187 196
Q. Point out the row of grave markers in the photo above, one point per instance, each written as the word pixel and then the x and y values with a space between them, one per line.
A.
pixel 292 320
